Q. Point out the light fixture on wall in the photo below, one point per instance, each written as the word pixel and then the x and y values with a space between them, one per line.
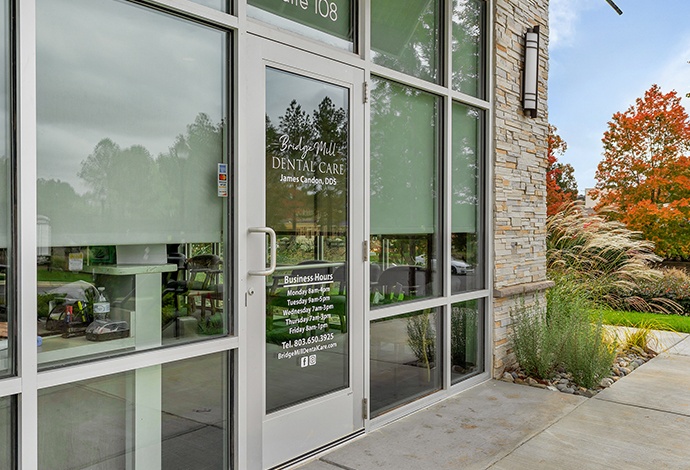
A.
pixel 530 79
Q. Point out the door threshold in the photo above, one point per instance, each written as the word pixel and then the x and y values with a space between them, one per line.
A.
pixel 311 454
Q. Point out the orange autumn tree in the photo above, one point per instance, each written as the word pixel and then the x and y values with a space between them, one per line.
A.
pixel 561 187
pixel 645 173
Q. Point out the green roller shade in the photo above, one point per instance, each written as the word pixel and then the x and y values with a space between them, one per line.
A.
pixel 405 36
pixel 465 168
pixel 403 159
pixel 394 22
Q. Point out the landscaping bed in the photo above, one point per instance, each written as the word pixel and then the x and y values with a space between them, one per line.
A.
pixel 562 381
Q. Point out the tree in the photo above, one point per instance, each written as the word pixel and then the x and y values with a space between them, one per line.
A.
pixel 561 187
pixel 645 173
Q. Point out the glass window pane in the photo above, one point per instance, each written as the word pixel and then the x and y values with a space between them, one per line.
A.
pixel 466 340
pixel 172 416
pixel 194 413
pixel 468 46
pixel 307 159
pixel 404 187
pixel 221 5
pixel 7 432
pixel 405 36
pixel 130 138
pixel 328 21
pixel 6 287
pixel 467 262
pixel 405 359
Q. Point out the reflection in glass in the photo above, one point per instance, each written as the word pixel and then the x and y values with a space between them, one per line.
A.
pixel 6 319
pixel 405 36
pixel 194 413
pixel 327 21
pixel 467 263
pixel 405 359
pixel 466 340
pixel 129 140
pixel 174 415
pixel 468 46
pixel 7 432
pixel 221 5
pixel 307 157
pixel 404 188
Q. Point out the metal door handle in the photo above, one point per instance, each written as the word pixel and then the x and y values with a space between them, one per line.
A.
pixel 272 236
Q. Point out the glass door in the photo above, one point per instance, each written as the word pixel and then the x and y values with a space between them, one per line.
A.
pixel 311 155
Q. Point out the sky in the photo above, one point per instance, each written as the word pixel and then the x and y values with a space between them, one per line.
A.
pixel 601 62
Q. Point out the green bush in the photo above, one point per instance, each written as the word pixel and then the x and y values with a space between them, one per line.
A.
pixel 534 343
pixel 586 354
pixel 421 336
pixel 672 288
pixel 561 335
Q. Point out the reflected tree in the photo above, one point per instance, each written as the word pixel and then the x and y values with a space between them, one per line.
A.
pixel 295 150
pixel 131 192
pixel 405 36
pixel 120 179
pixel 331 126
pixel 187 170
pixel 467 45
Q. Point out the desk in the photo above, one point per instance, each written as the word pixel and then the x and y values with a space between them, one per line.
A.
pixel 147 289
pixel 144 318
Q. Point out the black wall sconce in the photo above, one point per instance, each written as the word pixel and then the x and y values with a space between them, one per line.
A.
pixel 530 79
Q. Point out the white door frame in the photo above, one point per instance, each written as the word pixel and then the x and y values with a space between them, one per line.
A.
pixel 289 433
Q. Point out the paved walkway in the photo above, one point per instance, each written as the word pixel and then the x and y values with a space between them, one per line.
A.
pixel 640 422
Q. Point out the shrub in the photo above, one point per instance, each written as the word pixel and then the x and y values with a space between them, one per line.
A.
pixel 671 288
pixel 561 335
pixel 587 354
pixel 421 337
pixel 534 343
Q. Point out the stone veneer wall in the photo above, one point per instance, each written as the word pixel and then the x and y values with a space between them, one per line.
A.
pixel 519 171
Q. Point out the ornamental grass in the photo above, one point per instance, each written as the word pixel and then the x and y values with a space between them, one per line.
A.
pixel 603 261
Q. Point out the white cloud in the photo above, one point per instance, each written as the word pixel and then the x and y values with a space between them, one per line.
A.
pixel 563 18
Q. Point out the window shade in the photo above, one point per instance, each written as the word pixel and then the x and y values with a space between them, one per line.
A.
pixel 465 169
pixel 403 159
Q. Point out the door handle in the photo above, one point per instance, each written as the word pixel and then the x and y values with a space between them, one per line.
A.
pixel 272 236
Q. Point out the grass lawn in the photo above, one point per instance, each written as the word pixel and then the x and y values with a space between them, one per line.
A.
pixel 654 321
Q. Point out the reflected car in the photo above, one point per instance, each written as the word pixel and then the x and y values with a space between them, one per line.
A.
pixel 456 266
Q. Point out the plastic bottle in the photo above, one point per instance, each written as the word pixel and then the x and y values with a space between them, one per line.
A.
pixel 101 307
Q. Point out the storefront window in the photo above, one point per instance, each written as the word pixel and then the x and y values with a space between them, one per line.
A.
pixel 6 287
pixel 307 171
pixel 221 5
pixel 466 340
pixel 467 261
pixel 7 441
pixel 328 21
pixel 405 36
pixel 131 128
pixel 172 416
pixel 404 194
pixel 405 359
pixel 468 46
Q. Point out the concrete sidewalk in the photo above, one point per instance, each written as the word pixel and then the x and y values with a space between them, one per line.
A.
pixel 640 422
